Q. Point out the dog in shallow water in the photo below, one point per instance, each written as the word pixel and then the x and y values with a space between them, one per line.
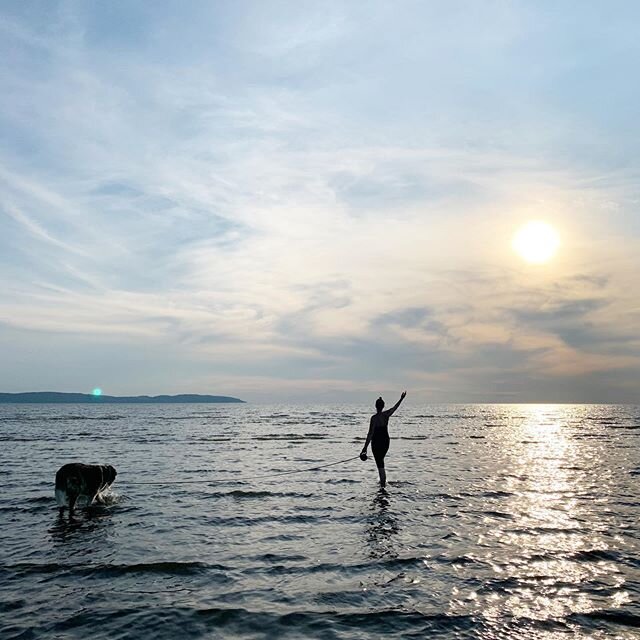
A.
pixel 77 480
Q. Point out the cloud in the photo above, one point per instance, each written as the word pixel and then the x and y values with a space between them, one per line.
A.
pixel 266 195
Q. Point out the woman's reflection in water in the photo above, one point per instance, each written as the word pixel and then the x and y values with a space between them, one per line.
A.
pixel 382 526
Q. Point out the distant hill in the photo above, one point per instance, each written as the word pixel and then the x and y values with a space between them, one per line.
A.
pixel 51 397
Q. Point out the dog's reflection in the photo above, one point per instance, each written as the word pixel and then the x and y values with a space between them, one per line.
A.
pixel 382 526
pixel 81 522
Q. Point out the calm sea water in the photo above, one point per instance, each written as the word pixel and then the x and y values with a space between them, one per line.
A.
pixel 498 522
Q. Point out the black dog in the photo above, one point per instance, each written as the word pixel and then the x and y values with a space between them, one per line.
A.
pixel 87 480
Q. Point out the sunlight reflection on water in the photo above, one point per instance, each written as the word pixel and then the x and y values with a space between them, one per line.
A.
pixel 553 542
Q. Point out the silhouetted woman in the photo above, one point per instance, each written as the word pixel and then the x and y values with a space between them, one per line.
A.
pixel 378 435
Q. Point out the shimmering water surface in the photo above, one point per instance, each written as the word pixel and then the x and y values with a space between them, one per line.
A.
pixel 498 522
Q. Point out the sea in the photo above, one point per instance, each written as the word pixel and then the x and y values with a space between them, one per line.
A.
pixel 498 521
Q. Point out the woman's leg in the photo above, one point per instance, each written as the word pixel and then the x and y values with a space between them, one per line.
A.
pixel 379 450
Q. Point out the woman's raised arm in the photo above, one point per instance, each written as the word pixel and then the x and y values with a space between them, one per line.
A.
pixel 397 404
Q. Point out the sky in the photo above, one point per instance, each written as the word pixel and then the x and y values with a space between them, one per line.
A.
pixel 315 201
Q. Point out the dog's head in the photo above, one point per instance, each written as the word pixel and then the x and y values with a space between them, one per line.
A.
pixel 110 474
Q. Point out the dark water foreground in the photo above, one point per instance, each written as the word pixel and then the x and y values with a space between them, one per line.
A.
pixel 499 522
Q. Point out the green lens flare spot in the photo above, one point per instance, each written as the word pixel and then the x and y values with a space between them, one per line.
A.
pixel 97 391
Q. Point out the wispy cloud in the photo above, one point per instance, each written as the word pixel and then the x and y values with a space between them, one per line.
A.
pixel 302 198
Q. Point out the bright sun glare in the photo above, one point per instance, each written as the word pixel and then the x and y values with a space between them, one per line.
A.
pixel 536 242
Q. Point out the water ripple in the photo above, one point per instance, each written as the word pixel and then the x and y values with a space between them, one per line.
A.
pixel 498 522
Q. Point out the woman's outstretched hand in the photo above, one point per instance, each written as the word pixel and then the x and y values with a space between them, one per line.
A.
pixel 402 395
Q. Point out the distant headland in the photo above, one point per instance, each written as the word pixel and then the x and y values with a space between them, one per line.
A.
pixel 51 397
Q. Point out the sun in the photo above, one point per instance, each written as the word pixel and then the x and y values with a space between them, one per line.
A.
pixel 536 242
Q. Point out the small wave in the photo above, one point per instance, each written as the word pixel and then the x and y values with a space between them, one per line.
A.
pixel 249 494
pixel 591 555
pixel 509 584
pixel 391 564
pixel 171 568
pixel 465 559
pixel 39 499
pixel 177 621
pixel 547 530
pixel 494 514
pixel 611 616
pixel 277 557
pixel 9 606
pixel 105 418
pixel 443 496
pixel 283 537
pixel 280 436
pixel 106 570
pixel 27 568
pixel 514 476
pixel 246 521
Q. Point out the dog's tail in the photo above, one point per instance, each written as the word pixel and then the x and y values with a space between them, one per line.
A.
pixel 67 481
pixel 61 479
